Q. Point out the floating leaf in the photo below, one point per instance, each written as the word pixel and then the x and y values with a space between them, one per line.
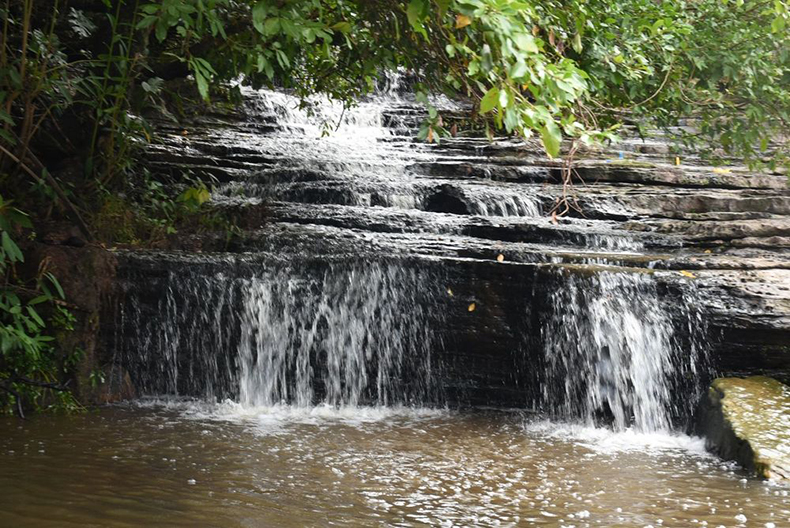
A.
pixel 449 292
pixel 472 307
pixel 688 274
pixel 500 258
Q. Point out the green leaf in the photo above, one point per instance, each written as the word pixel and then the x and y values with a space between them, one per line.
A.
pixel 416 12
pixel 552 138
pixel 202 84
pixel 40 299
pixel 271 26
pixel 519 70
pixel 11 249
pixel 161 29
pixel 577 43
pixel 526 42
pixel 504 98
pixel 56 284
pixel 147 21
pixel 489 100
pixel 35 316
pixel 343 27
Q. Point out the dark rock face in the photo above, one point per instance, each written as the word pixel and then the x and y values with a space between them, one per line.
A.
pixel 87 274
pixel 713 239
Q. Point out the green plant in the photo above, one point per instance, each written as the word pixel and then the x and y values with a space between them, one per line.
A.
pixel 96 378
pixel 29 364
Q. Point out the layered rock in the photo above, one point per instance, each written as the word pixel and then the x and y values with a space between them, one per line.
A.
pixel 370 193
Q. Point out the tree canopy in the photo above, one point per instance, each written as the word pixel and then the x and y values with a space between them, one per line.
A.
pixel 557 68
pixel 554 68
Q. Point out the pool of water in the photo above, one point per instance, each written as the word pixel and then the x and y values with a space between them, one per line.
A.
pixel 182 464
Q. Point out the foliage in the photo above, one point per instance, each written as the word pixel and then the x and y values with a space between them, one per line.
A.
pixel 556 69
pixel 30 367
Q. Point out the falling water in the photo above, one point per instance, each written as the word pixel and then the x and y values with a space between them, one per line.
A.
pixel 362 334
pixel 489 202
pixel 613 352
pixel 343 336
pixel 354 333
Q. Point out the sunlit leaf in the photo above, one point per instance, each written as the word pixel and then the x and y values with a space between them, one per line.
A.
pixel 552 138
pixel 489 100
pixel 461 21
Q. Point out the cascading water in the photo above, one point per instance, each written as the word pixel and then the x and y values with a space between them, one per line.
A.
pixel 343 336
pixel 613 352
pixel 498 203
pixel 370 329
pixel 361 334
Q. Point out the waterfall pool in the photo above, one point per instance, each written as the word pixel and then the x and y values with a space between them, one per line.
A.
pixel 187 464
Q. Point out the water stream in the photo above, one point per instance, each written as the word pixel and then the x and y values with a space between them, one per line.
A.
pixel 188 465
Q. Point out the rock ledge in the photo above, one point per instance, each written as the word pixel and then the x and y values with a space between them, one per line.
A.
pixel 748 420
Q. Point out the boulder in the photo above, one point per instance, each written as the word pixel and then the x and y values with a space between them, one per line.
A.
pixel 748 420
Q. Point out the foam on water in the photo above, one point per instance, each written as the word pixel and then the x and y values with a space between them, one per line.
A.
pixel 276 419
pixel 604 440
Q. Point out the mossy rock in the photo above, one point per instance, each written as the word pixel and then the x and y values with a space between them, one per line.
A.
pixel 748 420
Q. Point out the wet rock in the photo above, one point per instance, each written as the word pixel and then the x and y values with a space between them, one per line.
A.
pixel 748 420
pixel 86 273
pixel 447 199
pixel 457 205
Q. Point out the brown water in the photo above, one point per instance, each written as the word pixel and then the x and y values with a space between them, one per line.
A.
pixel 183 465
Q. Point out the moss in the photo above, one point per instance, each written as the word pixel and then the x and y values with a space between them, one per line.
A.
pixel 758 411
pixel 116 222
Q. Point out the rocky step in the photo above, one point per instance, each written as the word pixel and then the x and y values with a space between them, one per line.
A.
pixel 748 420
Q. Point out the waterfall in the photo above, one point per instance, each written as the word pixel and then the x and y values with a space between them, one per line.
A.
pixel 489 202
pixel 346 335
pixel 361 334
pixel 614 352
pixel 333 298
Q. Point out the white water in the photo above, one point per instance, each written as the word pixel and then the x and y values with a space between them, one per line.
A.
pixel 337 335
pixel 611 348
pixel 607 441
pixel 360 332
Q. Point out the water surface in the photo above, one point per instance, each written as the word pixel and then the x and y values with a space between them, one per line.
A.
pixel 188 465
